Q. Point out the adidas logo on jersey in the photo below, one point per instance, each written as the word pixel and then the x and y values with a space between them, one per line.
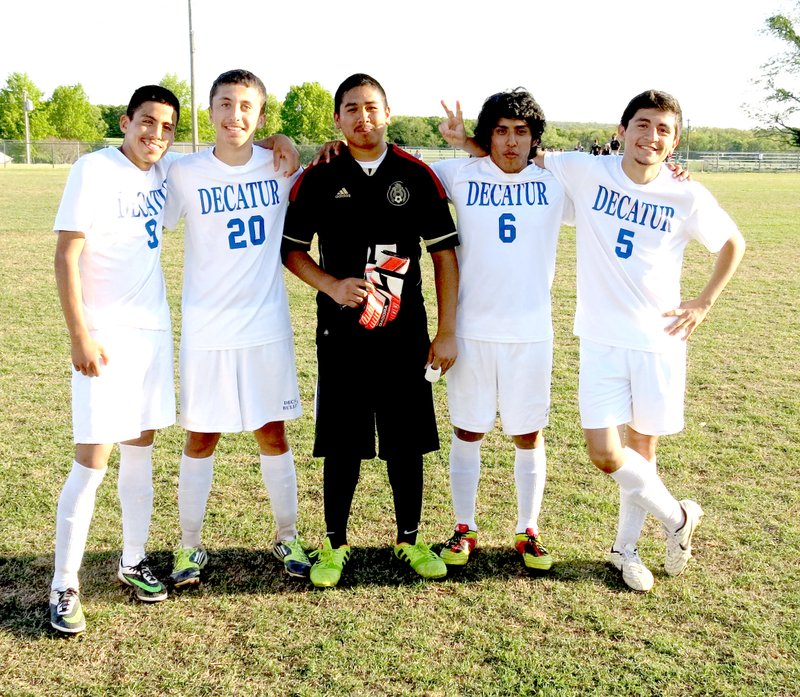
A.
pixel 343 193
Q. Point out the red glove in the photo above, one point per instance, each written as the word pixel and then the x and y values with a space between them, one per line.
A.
pixel 386 275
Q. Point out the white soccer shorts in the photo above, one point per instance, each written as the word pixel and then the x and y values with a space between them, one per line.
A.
pixel 515 377
pixel 234 390
pixel 620 386
pixel 134 392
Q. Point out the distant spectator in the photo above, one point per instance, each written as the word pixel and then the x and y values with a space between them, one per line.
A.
pixel 595 149
pixel 606 149
pixel 614 144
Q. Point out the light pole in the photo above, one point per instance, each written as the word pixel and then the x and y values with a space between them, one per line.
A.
pixel 688 129
pixel 27 107
pixel 191 80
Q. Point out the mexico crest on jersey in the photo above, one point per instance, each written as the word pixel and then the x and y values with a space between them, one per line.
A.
pixel 398 195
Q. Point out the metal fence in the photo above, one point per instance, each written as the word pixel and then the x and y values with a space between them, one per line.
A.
pixel 54 153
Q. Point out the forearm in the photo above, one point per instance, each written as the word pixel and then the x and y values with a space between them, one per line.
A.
pixel 727 262
pixel 445 268
pixel 302 265
pixel 68 284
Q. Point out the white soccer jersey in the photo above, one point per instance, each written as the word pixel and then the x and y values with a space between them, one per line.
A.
pixel 508 227
pixel 119 208
pixel 233 288
pixel 630 243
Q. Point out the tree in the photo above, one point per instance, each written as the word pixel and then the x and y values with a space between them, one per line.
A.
pixel 307 113
pixel 780 72
pixel 72 116
pixel 408 131
pixel 111 115
pixel 272 122
pixel 12 116
pixel 183 91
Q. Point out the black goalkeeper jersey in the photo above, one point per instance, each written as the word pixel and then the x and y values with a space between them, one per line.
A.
pixel 355 215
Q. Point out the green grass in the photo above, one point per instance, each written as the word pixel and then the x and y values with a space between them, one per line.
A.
pixel 728 625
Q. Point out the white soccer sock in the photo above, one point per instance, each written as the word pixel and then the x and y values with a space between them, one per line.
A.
pixel 135 489
pixel 530 472
pixel 194 486
pixel 639 479
pixel 631 515
pixel 465 473
pixel 280 478
pixel 73 516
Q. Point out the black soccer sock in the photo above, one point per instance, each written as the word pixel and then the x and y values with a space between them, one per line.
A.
pixel 405 477
pixel 340 476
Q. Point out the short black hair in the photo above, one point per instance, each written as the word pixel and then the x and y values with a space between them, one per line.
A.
pixel 356 80
pixel 653 99
pixel 513 104
pixel 153 93
pixel 240 77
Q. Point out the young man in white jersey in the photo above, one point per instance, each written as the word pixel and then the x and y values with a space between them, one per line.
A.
pixel 237 364
pixel 111 288
pixel 633 223
pixel 509 213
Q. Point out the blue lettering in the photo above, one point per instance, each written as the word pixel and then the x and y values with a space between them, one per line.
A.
pixel 602 196
pixel 633 210
pixel 205 201
pixel 472 193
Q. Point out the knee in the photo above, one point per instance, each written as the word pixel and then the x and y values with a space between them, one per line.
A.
pixel 467 436
pixel 528 441
pixel 200 445
pixel 605 460
pixel 272 438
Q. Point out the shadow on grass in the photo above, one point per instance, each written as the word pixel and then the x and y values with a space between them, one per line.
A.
pixel 25 579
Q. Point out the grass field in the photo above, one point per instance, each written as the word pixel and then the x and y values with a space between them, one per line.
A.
pixel 728 625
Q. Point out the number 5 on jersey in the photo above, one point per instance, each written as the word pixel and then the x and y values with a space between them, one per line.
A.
pixel 624 246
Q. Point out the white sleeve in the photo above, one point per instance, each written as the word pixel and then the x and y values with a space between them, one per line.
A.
pixel 76 211
pixel 173 209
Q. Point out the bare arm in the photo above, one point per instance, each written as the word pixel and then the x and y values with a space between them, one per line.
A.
pixel 88 356
pixel 691 313
pixel 454 132
pixel 443 351
pixel 349 292
pixel 284 152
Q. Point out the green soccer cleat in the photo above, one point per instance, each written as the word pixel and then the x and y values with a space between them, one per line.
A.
pixel 146 586
pixel 534 553
pixel 457 549
pixel 421 558
pixel 66 613
pixel 329 564
pixel 293 555
pixel 188 563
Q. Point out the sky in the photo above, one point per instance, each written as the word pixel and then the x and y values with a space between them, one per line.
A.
pixel 582 60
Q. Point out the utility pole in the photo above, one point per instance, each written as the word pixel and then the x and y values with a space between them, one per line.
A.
pixel 688 130
pixel 191 80
pixel 27 106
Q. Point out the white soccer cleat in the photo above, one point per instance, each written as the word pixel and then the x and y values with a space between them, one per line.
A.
pixel 635 574
pixel 679 543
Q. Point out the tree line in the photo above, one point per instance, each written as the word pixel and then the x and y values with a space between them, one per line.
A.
pixel 305 115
